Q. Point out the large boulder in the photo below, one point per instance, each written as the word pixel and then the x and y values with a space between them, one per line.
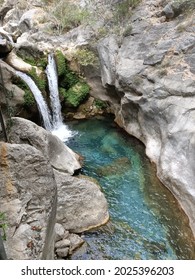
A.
pixel 153 82
pixel 28 199
pixel 81 204
pixel 59 155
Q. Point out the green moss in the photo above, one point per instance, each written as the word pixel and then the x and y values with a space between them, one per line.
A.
pixel 3 224
pixel 66 77
pixel 40 81
pixel 76 94
pixel 29 99
pixel 61 63
pixel 86 57
pixel 100 104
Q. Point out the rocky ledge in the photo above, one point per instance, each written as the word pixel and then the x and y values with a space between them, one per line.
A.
pixel 38 190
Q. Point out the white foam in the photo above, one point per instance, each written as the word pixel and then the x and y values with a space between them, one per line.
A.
pixel 63 132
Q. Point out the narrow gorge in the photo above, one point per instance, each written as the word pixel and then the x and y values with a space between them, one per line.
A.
pixel 67 68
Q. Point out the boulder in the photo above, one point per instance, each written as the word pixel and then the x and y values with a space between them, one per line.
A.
pixel 81 204
pixel 28 199
pixel 59 155
pixel 5 46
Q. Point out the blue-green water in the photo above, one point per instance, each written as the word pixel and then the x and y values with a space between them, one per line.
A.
pixel 146 222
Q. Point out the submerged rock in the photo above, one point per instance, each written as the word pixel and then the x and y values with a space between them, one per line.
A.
pixel 118 166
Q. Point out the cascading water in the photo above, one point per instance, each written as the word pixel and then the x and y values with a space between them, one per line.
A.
pixel 52 77
pixel 54 122
pixel 59 129
pixel 42 105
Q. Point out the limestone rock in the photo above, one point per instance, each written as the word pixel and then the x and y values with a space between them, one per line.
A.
pixel 62 252
pixel 28 197
pixel 60 156
pixel 62 244
pixel 59 232
pixel 153 91
pixel 75 242
pixel 81 204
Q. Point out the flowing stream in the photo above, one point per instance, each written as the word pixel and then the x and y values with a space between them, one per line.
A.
pixel 146 222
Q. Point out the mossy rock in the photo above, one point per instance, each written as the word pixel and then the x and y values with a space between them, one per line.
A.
pixel 75 95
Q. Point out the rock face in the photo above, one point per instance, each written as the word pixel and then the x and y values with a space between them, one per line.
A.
pixel 59 155
pixel 150 78
pixel 37 188
pixel 29 201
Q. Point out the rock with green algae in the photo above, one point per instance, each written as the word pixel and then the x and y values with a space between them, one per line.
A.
pixel 116 167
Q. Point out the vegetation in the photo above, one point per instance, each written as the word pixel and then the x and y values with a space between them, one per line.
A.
pixel 100 104
pixel 72 88
pixel 40 80
pixel 67 15
pixel 76 94
pixel 85 57
pixel 3 224
pixel 29 99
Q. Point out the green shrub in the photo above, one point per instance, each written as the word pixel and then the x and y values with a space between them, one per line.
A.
pixel 68 15
pixel 76 94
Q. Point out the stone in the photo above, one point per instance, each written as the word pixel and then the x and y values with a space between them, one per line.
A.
pixel 28 198
pixel 60 156
pixel 62 244
pixel 75 242
pixel 62 253
pixel 168 11
pixel 81 204
pixel 59 232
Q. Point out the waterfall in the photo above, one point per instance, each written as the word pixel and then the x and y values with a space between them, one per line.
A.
pixel 59 128
pixel 52 121
pixel 52 77
pixel 41 104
